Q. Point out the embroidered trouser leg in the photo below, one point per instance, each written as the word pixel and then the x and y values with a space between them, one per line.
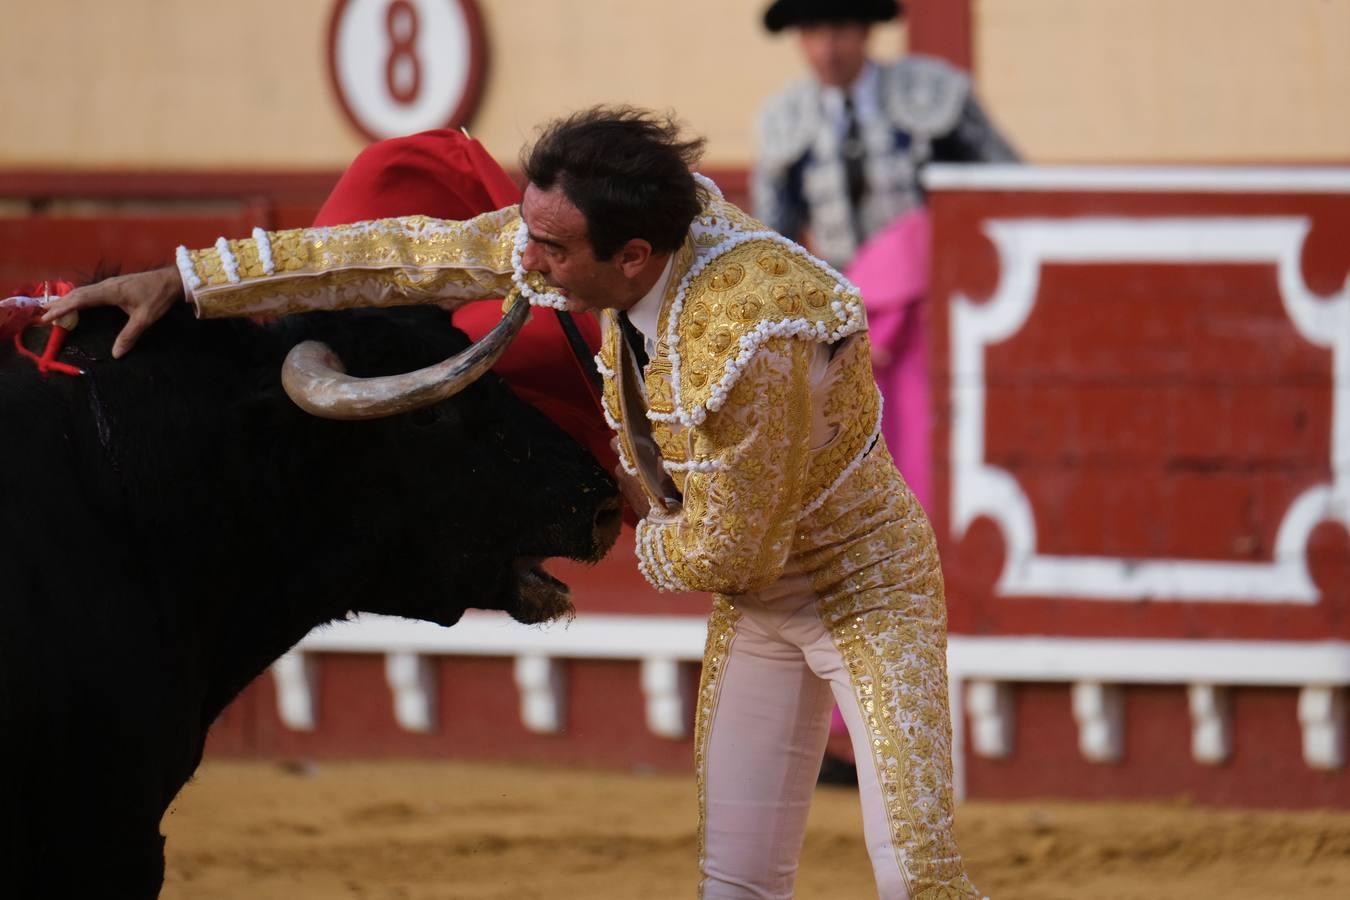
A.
pixel 772 672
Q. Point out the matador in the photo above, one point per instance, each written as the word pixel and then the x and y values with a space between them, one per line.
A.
pixel 739 385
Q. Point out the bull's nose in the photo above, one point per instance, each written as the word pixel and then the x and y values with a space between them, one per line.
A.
pixel 608 521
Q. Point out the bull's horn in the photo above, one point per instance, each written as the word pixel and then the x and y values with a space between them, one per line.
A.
pixel 314 377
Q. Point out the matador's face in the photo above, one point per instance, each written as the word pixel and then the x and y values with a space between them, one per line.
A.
pixel 836 51
pixel 560 249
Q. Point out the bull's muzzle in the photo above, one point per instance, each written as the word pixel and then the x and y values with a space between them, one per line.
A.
pixel 313 376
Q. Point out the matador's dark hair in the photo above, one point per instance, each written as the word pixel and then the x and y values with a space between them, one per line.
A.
pixel 626 169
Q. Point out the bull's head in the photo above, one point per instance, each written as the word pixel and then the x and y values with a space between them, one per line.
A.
pixel 316 379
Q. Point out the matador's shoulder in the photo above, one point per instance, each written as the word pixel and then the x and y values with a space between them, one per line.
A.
pixel 788 124
pixel 746 286
pixel 924 95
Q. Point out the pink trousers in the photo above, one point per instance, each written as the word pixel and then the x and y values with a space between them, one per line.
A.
pixel 766 732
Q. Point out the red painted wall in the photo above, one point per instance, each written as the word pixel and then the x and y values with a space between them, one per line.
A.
pixel 1148 411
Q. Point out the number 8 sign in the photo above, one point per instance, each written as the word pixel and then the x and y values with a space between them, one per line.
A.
pixel 400 66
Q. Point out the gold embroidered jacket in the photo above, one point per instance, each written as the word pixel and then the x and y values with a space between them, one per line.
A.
pixel 780 466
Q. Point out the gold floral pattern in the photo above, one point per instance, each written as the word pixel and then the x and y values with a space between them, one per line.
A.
pixel 749 287
pixel 735 531
pixel 721 630
pixel 381 263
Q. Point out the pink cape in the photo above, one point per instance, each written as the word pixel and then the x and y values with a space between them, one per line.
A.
pixel 891 270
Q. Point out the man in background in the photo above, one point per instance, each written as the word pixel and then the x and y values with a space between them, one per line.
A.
pixel 840 152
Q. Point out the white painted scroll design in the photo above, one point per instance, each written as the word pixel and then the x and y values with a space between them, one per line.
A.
pixel 980 489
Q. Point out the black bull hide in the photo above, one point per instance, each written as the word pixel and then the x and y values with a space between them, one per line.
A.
pixel 171 523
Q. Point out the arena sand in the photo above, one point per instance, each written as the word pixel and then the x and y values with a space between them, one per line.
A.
pixel 460 831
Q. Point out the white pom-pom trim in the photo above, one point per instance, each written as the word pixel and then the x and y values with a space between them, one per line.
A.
pixel 549 300
pixel 708 184
pixel 652 560
pixel 617 428
pixel 264 251
pixel 639 550
pixel 186 271
pixel 700 465
pixel 227 260
pixel 603 369
pixel 850 312
pixel 657 537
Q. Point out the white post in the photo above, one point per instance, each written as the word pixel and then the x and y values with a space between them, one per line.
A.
pixel 1211 723
pixel 297 683
pixel 1099 710
pixel 1321 712
pixel 412 679
pixel 543 693
pixel 991 718
pixel 667 696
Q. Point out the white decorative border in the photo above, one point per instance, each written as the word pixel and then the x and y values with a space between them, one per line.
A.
pixel 264 244
pixel 550 300
pixel 1320 669
pixel 695 465
pixel 977 665
pixel 653 563
pixel 980 489
pixel 227 260
pixel 186 271
pixel 1172 179
pixel 707 184
pixel 603 369
pixel 851 315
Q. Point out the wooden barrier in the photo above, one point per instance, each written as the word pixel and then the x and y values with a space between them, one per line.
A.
pixel 1141 380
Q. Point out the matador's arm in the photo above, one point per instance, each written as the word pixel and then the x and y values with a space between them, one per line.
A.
pixel 743 491
pixel 388 262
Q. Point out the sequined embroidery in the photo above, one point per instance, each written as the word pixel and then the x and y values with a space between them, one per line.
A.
pixel 385 262
pixel 721 632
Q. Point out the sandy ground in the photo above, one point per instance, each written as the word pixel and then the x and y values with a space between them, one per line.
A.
pixel 455 830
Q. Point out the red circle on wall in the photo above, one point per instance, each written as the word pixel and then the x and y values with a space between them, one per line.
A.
pixel 403 66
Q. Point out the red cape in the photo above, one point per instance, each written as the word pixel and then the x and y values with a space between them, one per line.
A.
pixel 446 175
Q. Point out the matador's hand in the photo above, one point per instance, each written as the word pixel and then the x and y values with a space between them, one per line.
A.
pixel 144 296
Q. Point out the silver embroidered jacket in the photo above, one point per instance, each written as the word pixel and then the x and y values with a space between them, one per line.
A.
pixel 928 113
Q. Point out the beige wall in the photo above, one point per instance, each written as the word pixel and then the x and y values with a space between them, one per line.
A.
pixel 1169 80
pixel 244 84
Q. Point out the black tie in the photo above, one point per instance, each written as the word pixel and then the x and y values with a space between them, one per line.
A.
pixel 855 179
pixel 636 342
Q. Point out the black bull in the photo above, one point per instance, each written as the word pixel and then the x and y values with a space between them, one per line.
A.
pixel 171 523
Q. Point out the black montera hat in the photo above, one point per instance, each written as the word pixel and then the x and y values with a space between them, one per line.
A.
pixel 788 13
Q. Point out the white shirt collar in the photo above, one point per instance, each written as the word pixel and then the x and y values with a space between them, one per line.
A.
pixel 646 313
pixel 863 90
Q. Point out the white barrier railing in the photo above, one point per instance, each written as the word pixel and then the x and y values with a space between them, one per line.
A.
pixel 981 670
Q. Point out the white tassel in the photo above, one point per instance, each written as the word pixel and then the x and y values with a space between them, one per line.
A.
pixel 227 260
pixel 186 270
pixel 264 251
pixel 549 300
